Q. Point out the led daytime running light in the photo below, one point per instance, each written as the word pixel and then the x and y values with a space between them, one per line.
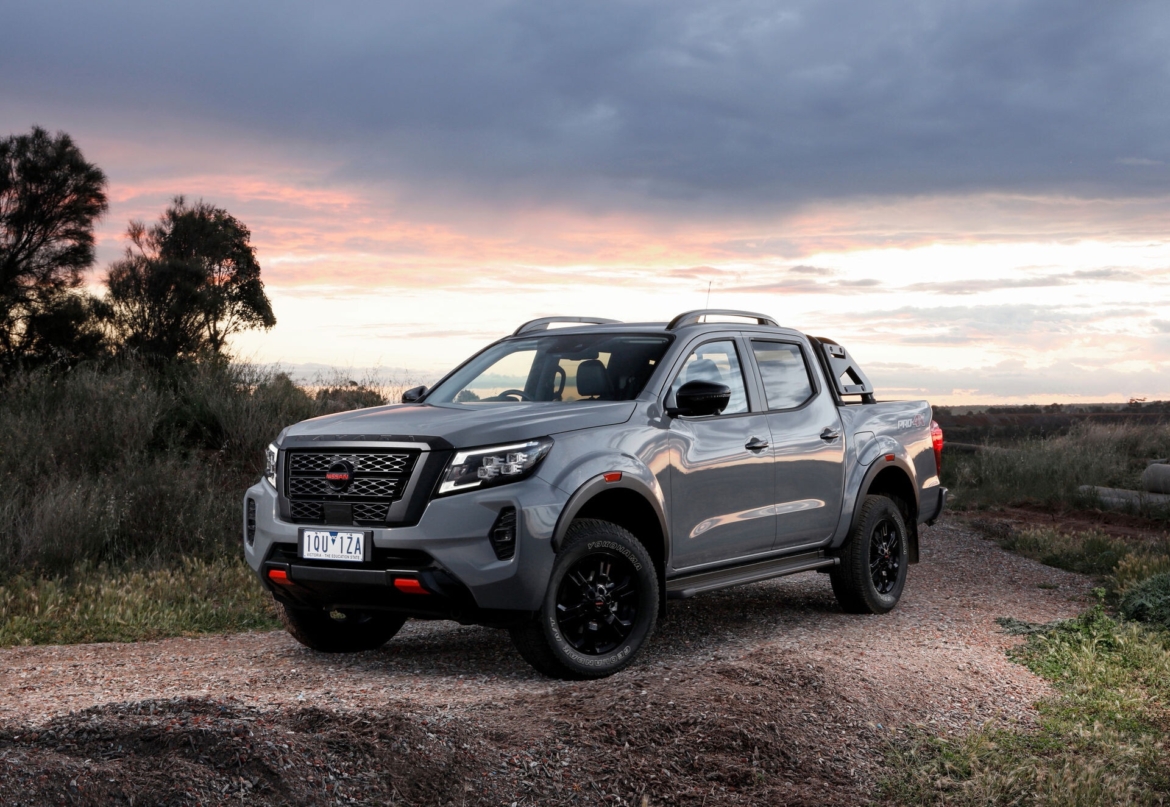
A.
pixel 270 456
pixel 496 465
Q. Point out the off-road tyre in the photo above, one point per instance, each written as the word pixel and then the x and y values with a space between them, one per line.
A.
pixel 874 560
pixel 576 644
pixel 344 632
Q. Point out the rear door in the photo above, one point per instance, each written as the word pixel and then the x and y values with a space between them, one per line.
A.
pixel 721 483
pixel 807 446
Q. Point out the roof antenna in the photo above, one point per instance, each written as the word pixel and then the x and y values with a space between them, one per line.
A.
pixel 708 303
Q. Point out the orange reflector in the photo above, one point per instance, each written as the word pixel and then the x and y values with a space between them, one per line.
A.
pixel 408 585
pixel 889 457
pixel 613 476
pixel 279 576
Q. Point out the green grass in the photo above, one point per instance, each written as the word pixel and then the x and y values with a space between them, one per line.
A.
pixel 1101 738
pixel 1118 563
pixel 101 604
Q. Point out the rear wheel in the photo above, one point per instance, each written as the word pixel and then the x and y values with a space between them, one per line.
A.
pixel 872 572
pixel 600 608
pixel 339 631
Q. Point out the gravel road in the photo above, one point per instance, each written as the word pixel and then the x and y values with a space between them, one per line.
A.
pixel 761 694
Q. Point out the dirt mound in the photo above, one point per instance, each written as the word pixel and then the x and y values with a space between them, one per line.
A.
pixel 744 731
pixel 203 752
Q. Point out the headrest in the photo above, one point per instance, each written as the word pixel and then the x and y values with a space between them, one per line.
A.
pixel 704 370
pixel 591 379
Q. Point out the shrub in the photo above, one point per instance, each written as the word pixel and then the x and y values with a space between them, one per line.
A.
pixel 1149 601
pixel 124 462
pixel 1051 470
pixel 1136 567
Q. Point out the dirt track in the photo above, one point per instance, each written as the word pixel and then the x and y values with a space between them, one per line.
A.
pixel 765 694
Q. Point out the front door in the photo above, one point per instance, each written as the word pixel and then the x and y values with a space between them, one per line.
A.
pixel 807 445
pixel 721 484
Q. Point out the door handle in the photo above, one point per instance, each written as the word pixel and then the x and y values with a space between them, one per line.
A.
pixel 756 444
pixel 830 434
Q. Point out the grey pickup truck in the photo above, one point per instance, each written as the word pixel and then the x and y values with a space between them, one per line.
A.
pixel 566 482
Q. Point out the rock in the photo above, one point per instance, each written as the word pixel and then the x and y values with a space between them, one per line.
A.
pixel 1156 478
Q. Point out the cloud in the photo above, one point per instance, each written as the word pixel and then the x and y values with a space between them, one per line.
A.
pixel 1059 380
pixel 812 270
pixel 979 285
pixel 1160 325
pixel 740 108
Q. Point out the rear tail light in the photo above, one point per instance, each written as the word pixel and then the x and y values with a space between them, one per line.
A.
pixel 936 438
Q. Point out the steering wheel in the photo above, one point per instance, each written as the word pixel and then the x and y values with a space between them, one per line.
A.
pixel 509 392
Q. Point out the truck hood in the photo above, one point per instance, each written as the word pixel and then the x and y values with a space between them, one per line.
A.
pixel 464 426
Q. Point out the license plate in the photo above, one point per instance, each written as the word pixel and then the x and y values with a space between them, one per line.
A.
pixel 333 545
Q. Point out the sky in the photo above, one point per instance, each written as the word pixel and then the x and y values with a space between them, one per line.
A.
pixel 974 197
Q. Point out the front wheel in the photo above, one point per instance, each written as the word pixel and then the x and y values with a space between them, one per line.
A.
pixel 339 631
pixel 872 572
pixel 600 608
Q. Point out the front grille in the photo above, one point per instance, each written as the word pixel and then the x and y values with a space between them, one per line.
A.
pixel 369 511
pixel 377 480
pixel 383 487
pixel 311 462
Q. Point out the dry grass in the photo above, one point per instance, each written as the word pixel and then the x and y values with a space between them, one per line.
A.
pixel 120 518
pixel 125 464
pixel 100 604
pixel 1051 470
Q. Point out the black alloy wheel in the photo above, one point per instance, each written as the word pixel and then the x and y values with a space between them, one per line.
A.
pixel 597 602
pixel 873 562
pixel 885 555
pixel 600 607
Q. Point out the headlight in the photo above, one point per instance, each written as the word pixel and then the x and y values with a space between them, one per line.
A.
pixel 497 465
pixel 270 456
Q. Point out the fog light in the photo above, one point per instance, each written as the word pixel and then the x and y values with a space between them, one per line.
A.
pixel 503 534
pixel 250 523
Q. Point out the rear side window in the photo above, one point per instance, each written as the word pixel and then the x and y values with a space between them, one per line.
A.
pixel 784 373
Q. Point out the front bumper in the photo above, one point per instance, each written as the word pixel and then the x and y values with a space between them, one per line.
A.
pixel 447 552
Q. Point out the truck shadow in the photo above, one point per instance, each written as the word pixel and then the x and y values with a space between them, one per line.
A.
pixel 728 621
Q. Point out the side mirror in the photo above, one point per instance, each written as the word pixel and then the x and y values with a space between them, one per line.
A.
pixel 413 394
pixel 700 398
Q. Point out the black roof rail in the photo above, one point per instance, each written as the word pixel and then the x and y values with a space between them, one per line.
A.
pixel 543 323
pixel 692 317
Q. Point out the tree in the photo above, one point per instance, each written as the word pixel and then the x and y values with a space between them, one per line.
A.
pixel 50 198
pixel 187 283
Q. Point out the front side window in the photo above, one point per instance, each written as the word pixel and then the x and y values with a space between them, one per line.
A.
pixel 717 362
pixel 784 373
pixel 556 367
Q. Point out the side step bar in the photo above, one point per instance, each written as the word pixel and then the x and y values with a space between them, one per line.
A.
pixel 680 588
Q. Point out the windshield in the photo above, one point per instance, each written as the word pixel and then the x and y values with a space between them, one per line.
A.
pixel 551 367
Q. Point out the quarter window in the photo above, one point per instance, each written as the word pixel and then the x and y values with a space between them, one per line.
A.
pixel 784 373
pixel 717 362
